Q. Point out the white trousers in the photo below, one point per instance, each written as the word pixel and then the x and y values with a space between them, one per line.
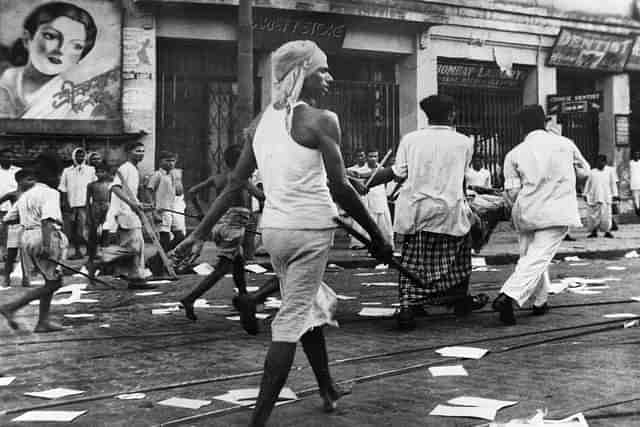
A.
pixel 531 276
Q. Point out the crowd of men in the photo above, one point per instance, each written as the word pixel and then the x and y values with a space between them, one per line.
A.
pixel 445 204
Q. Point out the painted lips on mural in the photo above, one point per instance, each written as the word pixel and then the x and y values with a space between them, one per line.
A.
pixel 63 64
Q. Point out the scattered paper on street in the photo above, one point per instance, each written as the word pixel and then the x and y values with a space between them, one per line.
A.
pixel 448 371
pixel 620 315
pixel 158 282
pixel 462 352
pixel 538 420
pixel 203 269
pixel 616 268
pixel 80 316
pixel 345 297
pixel 54 393
pixel 371 303
pixel 582 291
pixel 4 381
pixel 557 287
pixel 382 267
pixel 148 293
pixel 481 401
pixel 377 312
pixel 248 396
pixel 131 396
pixel 377 273
pixel 167 310
pixel 390 284
pixel 632 254
pixel 464 411
pixel 260 316
pixel 255 268
pixel 49 416
pixel 637 299
pixel 180 402
pixel 572 258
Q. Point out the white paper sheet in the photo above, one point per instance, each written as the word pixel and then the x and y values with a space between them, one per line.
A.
pixel 260 316
pixel 248 396
pixel 377 312
pixel 371 303
pixel 637 299
pixel 80 316
pixel 148 293
pixel 131 396
pixel 464 411
pixel 180 402
pixel 557 287
pixel 54 393
pixel 620 315
pixel 5 381
pixel 382 267
pixel 481 401
pixel 582 291
pixel 255 268
pixel 389 284
pixel 572 258
pixel 377 273
pixel 346 297
pixel 203 269
pixel 632 254
pixel 158 282
pixel 448 371
pixel 616 268
pixel 462 352
pixel 50 416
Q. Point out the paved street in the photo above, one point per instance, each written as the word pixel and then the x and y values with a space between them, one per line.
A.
pixel 570 360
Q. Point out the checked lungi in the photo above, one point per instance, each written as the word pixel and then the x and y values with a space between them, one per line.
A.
pixel 442 261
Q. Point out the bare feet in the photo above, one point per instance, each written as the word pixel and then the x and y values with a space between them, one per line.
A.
pixel 44 326
pixel 8 314
pixel 188 310
pixel 331 396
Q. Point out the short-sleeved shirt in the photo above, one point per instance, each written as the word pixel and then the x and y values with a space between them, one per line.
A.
pixel 163 185
pixel 7 184
pixel 542 168
pixel 74 182
pixel 121 212
pixel 434 161
pixel 33 206
pixel 600 187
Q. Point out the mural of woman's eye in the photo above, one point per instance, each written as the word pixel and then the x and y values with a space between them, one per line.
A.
pixel 48 35
pixel 77 47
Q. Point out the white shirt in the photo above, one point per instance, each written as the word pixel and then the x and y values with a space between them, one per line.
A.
pixel 634 174
pixel 7 184
pixel 434 161
pixel 74 182
pixel 293 176
pixel 542 168
pixel 480 178
pixel 124 216
pixel 38 203
pixel 600 187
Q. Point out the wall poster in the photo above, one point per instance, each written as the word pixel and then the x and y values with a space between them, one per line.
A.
pixel 60 61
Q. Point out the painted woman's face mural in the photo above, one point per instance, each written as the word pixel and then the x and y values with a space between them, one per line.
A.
pixel 57 45
pixel 62 60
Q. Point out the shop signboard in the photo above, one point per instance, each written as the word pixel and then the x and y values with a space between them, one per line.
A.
pixel 62 68
pixel 591 50
pixel 622 130
pixel 574 103
pixel 272 28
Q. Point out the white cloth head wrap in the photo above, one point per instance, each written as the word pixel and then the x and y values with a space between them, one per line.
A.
pixel 293 62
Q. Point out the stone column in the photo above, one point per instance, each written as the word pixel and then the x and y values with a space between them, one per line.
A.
pixel 417 75
pixel 540 83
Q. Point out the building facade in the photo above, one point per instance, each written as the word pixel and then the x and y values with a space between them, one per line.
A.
pixel 579 59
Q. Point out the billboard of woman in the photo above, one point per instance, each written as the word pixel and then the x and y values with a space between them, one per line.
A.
pixel 61 59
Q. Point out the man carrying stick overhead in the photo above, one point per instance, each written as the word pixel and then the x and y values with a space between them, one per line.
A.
pixel 433 215
pixel 296 147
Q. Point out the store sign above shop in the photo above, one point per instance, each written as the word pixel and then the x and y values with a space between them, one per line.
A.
pixel 574 103
pixel 590 50
pixel 479 75
pixel 273 28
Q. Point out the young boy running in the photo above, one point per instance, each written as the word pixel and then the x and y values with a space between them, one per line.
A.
pixel 98 196
pixel 43 244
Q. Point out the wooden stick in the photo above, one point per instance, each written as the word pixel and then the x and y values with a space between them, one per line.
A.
pixel 393 262
pixel 380 166
pixel 181 213
pixel 92 278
